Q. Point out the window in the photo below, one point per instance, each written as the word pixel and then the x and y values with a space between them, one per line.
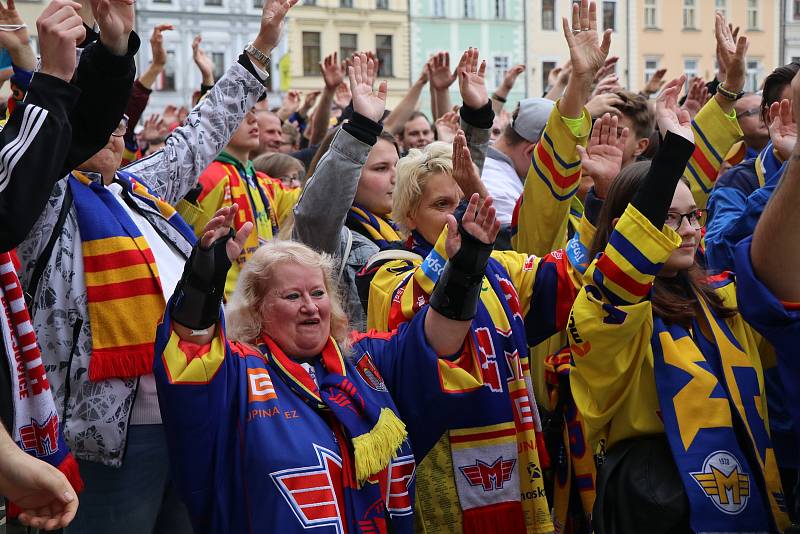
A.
pixel 168 75
pixel 689 15
pixel 650 67
pixel 753 75
pixel 438 8
pixel 309 2
pixel 548 14
pixel 348 45
pixel 690 68
pixel 469 9
pixel 796 10
pixel 382 4
pixel 258 4
pixel 650 14
pixel 752 15
pixel 311 53
pixel 162 1
pixel 547 66
pixel 499 9
pixel 345 3
pixel 213 2
pixel 721 6
pixel 500 69
pixel 218 59
pixel 609 15
pixel 383 49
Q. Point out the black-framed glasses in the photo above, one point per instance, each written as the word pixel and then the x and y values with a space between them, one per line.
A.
pixel 696 218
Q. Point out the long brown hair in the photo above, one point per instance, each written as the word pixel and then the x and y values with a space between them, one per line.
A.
pixel 326 144
pixel 673 298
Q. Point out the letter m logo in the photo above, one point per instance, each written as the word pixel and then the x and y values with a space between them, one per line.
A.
pixel 490 477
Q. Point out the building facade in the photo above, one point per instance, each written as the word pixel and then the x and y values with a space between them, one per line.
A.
pixel 495 27
pixel 679 35
pixel 317 28
pixel 790 51
pixel 546 47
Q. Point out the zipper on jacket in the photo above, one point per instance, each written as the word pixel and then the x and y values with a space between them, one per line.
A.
pixel 76 333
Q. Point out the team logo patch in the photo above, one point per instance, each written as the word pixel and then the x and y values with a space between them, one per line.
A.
pixel 311 491
pixel 490 477
pixel 41 440
pixel 259 386
pixel 724 482
pixel 366 368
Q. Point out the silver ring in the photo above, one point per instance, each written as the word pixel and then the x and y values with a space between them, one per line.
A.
pixel 576 32
pixel 585 29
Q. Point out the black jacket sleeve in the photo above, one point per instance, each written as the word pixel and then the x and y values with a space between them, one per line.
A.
pixel 33 145
pixel 655 194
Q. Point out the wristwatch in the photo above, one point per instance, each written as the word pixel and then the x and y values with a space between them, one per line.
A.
pixel 256 53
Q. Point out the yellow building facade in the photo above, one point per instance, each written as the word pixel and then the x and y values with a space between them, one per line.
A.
pixel 679 35
pixel 318 28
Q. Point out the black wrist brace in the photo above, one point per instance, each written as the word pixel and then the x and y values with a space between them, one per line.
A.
pixel 458 290
pixel 202 286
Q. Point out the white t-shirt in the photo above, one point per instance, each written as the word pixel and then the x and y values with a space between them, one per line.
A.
pixel 504 186
pixel 169 262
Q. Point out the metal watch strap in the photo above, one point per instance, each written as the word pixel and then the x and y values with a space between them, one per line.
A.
pixel 256 53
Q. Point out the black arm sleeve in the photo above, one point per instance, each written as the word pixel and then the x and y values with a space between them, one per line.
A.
pixel 105 81
pixel 481 117
pixel 655 194
pixel 33 146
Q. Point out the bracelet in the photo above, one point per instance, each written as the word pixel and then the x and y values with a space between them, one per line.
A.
pixel 256 53
pixel 12 27
pixel 499 98
pixel 730 95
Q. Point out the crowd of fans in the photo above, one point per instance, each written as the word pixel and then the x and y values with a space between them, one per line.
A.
pixel 578 315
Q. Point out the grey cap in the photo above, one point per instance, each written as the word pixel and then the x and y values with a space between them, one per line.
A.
pixel 532 117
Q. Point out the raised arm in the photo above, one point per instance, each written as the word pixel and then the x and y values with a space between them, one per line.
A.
pixel 500 94
pixel 173 171
pixel 321 211
pixel 476 112
pixel 333 76
pixel 402 111
pixel 775 250
pixel 204 65
pixel 441 78
pixel 454 301
pixel 16 41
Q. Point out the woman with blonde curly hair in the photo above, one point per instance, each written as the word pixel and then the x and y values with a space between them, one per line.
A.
pixel 275 418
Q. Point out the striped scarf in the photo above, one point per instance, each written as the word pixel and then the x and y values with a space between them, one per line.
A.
pixel 707 389
pixel 380 230
pixel 36 429
pixel 124 295
pixel 513 437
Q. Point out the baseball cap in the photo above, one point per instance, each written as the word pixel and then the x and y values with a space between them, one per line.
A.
pixel 532 117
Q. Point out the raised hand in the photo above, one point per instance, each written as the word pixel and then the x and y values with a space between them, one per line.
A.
pixel 12 39
pixel 115 19
pixel 220 225
pixel 472 79
pixel 586 52
pixel 609 68
pixel 464 171
pixel 731 52
pixel 291 102
pixel 655 82
pixel 203 62
pixel 602 104
pixel 332 71
pixel 308 103
pixel 154 128
pixel 511 78
pixel 782 128
pixel 479 221
pixel 696 96
pixel 669 116
pixel 157 45
pixel 60 30
pixel 273 15
pixel 365 101
pixel 609 84
pixel 439 73
pixel 447 126
pixel 342 96
pixel 602 159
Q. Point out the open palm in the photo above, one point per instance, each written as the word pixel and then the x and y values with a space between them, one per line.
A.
pixel 669 116
pixel 479 221
pixel 782 128
pixel 366 101
pixel 602 159
pixel 472 79
pixel 586 52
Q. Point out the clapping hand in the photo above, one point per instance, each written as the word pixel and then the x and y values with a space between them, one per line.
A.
pixel 362 76
pixel 669 116
pixel 602 159
pixel 479 221
pixel 472 79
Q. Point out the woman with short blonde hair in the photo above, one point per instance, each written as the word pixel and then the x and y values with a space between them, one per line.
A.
pixel 413 172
